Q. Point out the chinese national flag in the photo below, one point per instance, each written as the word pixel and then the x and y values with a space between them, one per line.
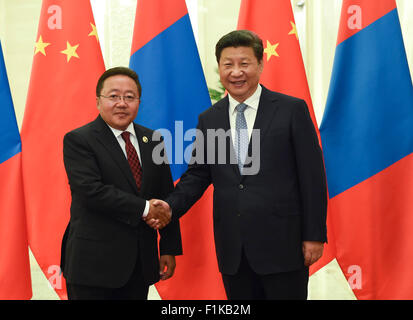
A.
pixel 273 21
pixel 66 66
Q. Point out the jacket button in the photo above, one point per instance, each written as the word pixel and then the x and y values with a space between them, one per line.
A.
pixel 241 187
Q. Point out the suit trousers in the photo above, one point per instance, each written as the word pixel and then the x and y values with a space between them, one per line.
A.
pixel 248 285
pixel 135 289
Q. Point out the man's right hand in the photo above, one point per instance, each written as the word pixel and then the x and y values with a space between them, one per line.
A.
pixel 159 214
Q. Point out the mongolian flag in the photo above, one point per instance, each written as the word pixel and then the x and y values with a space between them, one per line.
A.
pixel 273 21
pixel 15 280
pixel 367 134
pixel 174 93
pixel 66 66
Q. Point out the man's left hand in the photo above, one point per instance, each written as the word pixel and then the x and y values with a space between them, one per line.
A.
pixel 167 266
pixel 312 251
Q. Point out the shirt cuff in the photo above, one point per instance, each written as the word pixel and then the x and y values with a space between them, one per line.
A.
pixel 146 211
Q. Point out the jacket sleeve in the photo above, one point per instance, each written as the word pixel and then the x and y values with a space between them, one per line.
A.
pixel 170 242
pixel 311 174
pixel 195 180
pixel 88 188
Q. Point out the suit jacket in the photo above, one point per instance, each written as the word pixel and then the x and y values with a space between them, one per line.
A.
pixel 106 234
pixel 268 214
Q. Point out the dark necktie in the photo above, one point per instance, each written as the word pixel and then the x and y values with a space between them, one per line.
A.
pixel 133 159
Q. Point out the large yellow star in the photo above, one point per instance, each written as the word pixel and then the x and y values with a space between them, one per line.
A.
pixel 270 50
pixel 40 46
pixel 70 51
pixel 293 30
pixel 94 32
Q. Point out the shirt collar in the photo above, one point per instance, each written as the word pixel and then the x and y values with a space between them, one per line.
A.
pixel 130 129
pixel 251 102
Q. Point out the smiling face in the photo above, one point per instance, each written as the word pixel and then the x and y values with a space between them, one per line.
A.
pixel 239 71
pixel 118 114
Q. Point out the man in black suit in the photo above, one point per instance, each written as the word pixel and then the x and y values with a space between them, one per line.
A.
pixel 270 203
pixel 108 251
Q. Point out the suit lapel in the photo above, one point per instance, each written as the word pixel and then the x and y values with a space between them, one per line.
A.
pixel 267 108
pixel 145 150
pixel 106 137
pixel 222 121
pixel 266 111
pixel 222 108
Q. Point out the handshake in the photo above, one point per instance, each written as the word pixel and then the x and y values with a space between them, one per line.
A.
pixel 159 214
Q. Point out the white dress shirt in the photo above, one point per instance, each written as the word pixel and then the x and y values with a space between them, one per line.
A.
pixel 250 112
pixel 134 141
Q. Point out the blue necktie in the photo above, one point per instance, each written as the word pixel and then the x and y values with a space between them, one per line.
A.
pixel 241 135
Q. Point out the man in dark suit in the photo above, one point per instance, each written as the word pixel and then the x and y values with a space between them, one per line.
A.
pixel 108 251
pixel 270 212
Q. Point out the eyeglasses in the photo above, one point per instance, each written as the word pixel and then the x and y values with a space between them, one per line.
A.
pixel 117 98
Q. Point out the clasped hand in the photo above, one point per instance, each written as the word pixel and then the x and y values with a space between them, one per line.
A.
pixel 159 214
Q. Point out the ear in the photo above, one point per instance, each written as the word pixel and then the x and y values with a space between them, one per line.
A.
pixel 261 66
pixel 98 103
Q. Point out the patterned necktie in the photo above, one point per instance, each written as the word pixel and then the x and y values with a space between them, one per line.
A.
pixel 241 135
pixel 133 159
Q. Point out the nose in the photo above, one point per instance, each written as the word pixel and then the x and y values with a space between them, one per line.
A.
pixel 237 72
pixel 121 101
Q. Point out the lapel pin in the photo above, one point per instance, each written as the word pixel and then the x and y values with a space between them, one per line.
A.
pixel 145 139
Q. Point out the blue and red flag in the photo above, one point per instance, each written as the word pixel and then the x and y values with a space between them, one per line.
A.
pixel 367 134
pixel 174 93
pixel 15 280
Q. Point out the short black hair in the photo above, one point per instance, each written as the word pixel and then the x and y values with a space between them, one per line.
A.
pixel 118 71
pixel 240 38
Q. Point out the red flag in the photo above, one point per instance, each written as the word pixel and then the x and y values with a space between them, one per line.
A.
pixel 15 280
pixel 66 66
pixel 273 21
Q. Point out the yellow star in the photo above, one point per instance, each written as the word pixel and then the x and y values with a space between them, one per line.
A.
pixel 40 46
pixel 270 50
pixel 94 32
pixel 293 30
pixel 70 51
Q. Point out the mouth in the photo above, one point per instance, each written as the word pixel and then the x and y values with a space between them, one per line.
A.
pixel 238 84
pixel 121 114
